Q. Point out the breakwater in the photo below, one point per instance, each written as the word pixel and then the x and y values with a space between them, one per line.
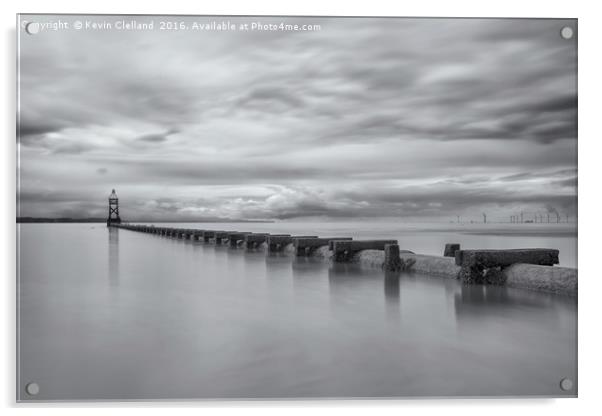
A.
pixel 532 268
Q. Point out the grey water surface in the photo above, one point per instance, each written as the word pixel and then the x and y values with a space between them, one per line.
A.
pixel 107 314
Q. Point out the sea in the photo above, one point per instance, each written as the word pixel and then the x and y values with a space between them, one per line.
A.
pixel 112 314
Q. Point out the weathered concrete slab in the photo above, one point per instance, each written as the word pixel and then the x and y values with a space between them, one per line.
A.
pixel 197 235
pixel 562 280
pixel 277 243
pixel 368 258
pixel 485 266
pixel 493 258
pixel 431 265
pixel 190 234
pixel 237 238
pixel 332 240
pixel 378 259
pixel 305 246
pixel 255 239
pixel 450 250
pixel 208 235
pixel 343 251
pixel 221 237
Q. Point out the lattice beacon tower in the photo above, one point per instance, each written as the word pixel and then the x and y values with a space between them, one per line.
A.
pixel 113 209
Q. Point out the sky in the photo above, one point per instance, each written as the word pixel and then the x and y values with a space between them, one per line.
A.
pixel 415 119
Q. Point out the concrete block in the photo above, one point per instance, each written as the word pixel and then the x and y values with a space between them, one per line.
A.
pixel 236 238
pixel 430 265
pixel 343 251
pixel 208 235
pixel 277 243
pixel 561 280
pixel 485 266
pixel 450 250
pixel 255 240
pixel 305 246
pixel 221 236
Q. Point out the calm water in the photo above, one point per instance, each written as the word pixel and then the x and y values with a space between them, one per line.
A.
pixel 114 314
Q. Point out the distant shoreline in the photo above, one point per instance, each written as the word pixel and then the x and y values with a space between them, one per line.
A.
pixel 32 220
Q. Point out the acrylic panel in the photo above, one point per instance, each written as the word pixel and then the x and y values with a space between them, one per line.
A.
pixel 227 207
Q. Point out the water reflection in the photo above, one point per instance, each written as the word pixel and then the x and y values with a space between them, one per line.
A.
pixel 340 329
pixel 310 277
pixel 113 256
pixel 278 258
pixel 392 287
pixel 254 257
pixel 307 266
pixel 347 279
pixel 344 276
pixel 278 263
pixel 478 301
pixel 480 296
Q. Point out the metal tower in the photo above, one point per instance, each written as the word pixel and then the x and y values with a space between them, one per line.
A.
pixel 113 209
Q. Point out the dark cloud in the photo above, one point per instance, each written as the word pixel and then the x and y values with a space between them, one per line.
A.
pixel 276 98
pixel 34 127
pixel 365 117
pixel 569 182
pixel 73 148
pixel 156 137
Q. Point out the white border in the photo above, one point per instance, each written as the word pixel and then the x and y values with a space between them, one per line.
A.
pixel 589 200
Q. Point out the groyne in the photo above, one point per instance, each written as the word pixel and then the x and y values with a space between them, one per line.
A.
pixel 531 268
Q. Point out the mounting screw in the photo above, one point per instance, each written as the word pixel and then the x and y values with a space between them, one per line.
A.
pixel 566 32
pixel 566 384
pixel 32 389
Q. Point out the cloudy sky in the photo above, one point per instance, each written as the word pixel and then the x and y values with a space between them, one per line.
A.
pixel 410 118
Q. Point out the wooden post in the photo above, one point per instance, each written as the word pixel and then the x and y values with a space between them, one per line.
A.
pixel 450 249
pixel 392 258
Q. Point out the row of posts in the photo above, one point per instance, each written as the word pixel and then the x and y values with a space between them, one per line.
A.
pixel 475 266
pixel 343 248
